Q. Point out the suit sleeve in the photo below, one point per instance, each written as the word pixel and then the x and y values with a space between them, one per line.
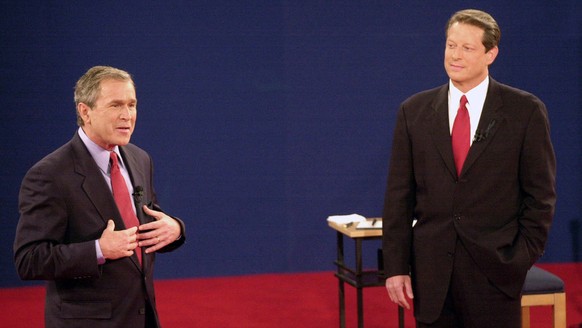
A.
pixel 399 203
pixel 40 251
pixel 537 179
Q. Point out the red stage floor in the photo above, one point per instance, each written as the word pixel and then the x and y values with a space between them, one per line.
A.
pixel 271 300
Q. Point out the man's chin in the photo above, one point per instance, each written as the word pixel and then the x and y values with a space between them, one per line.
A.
pixel 122 141
pixel 455 75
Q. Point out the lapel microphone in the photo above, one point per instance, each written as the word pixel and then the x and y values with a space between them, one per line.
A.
pixel 137 194
pixel 480 136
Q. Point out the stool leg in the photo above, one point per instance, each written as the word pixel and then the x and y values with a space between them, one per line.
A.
pixel 525 320
pixel 560 310
pixel 360 295
pixel 342 295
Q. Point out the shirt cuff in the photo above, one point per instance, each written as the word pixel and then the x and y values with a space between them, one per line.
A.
pixel 100 257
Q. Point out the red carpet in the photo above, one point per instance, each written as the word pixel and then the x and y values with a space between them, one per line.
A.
pixel 307 300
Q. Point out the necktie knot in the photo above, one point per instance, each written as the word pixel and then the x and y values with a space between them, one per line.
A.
pixel 113 161
pixel 464 102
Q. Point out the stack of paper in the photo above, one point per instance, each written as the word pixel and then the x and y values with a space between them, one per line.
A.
pixel 345 219
pixel 370 224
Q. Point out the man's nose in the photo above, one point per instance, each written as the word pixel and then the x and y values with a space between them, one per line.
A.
pixel 457 53
pixel 125 112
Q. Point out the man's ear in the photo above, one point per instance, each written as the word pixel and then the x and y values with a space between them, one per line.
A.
pixel 492 54
pixel 83 111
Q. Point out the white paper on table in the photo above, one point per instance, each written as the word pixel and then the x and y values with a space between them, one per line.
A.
pixel 370 224
pixel 345 219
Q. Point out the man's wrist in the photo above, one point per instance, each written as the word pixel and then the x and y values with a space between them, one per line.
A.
pixel 99 253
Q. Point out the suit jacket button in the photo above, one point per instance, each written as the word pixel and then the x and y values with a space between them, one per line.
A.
pixel 141 311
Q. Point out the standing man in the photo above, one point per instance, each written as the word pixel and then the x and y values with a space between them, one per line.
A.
pixel 89 222
pixel 473 165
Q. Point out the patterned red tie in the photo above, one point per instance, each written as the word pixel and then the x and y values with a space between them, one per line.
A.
pixel 121 195
pixel 461 135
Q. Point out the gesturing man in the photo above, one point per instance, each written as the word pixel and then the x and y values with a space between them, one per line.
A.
pixel 89 221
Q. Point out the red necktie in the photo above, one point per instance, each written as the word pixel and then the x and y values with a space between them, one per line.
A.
pixel 121 195
pixel 461 135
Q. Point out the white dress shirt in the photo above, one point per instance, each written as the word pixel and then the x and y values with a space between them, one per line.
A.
pixel 475 102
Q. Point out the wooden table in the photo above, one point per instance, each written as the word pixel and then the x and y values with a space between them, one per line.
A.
pixel 358 277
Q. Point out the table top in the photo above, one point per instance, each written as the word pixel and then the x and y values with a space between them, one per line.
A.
pixel 353 232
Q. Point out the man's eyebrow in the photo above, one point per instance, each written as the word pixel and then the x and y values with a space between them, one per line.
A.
pixel 121 101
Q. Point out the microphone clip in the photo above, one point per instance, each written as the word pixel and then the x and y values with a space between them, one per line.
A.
pixel 479 136
pixel 482 136
pixel 137 194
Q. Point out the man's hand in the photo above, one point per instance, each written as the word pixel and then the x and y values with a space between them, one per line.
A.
pixel 397 286
pixel 117 244
pixel 159 233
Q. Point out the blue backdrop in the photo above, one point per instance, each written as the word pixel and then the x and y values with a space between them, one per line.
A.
pixel 265 117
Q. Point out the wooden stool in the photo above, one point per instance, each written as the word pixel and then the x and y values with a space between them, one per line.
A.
pixel 543 288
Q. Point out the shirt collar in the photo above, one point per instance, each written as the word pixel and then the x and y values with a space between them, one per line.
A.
pixel 100 155
pixel 475 96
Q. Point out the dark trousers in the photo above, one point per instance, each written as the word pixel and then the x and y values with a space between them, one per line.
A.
pixel 473 302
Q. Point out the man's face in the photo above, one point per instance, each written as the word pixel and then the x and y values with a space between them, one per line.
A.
pixel 111 121
pixel 466 61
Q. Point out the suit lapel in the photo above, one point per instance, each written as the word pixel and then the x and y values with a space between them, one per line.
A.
pixel 438 124
pixel 489 122
pixel 93 183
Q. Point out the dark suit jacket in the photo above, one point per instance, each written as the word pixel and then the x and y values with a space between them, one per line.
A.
pixel 500 208
pixel 64 207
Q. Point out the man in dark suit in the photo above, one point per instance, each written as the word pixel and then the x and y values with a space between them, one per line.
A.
pixel 71 233
pixel 480 222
